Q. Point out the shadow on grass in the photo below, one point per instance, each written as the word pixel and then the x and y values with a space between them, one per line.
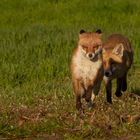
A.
pixel 136 91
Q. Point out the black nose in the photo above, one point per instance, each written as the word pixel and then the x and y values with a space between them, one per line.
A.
pixel 108 73
pixel 90 55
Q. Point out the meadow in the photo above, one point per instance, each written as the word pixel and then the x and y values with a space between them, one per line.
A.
pixel 36 96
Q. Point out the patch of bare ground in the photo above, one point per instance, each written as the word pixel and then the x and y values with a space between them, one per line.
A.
pixel 54 118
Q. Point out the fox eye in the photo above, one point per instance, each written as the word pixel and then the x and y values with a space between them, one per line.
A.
pixel 84 47
pixel 113 62
pixel 98 46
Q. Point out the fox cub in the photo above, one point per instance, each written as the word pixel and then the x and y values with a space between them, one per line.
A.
pixel 117 59
pixel 86 67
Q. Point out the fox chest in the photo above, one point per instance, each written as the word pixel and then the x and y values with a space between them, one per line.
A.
pixel 87 70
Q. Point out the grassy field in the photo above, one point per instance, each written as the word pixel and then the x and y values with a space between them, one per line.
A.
pixel 36 42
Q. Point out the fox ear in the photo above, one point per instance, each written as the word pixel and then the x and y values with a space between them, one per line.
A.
pixel 82 31
pixel 99 31
pixel 118 50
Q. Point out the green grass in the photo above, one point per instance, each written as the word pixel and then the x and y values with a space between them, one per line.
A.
pixel 36 42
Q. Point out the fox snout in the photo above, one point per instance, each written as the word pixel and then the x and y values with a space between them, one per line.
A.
pixel 108 73
pixel 90 55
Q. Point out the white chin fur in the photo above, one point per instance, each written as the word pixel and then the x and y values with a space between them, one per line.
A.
pixel 105 79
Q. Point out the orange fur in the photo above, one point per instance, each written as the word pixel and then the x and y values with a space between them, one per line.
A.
pixel 86 67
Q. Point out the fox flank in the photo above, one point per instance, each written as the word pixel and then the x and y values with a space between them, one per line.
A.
pixel 117 59
pixel 86 67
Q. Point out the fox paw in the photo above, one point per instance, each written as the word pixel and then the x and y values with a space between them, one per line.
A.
pixel 109 101
pixel 118 93
pixel 78 106
pixel 124 87
pixel 90 104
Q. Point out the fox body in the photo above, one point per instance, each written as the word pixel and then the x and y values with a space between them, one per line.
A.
pixel 86 67
pixel 117 59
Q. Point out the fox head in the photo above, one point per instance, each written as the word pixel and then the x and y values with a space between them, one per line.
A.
pixel 113 60
pixel 90 43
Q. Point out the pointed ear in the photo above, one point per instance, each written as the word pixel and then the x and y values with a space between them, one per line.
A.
pixel 118 50
pixel 81 31
pixel 99 31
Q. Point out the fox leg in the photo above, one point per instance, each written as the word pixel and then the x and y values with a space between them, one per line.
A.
pixel 119 86
pixel 92 92
pixel 124 82
pixel 88 94
pixel 108 85
pixel 95 91
pixel 78 102
pixel 79 92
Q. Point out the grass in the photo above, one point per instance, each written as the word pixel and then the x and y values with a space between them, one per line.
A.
pixel 36 43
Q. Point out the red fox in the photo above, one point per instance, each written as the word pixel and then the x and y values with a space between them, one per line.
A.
pixel 86 67
pixel 117 59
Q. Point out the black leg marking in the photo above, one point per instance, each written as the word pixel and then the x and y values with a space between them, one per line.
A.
pixel 124 83
pixel 108 91
pixel 78 102
pixel 119 85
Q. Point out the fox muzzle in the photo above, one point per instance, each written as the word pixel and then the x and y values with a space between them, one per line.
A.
pixel 108 73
